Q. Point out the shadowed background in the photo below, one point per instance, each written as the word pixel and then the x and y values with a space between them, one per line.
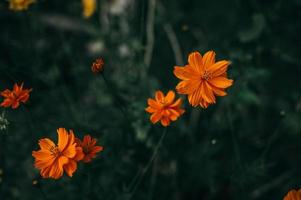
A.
pixel 244 147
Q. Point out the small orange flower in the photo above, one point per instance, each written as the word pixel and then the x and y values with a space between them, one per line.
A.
pixel 89 7
pixel 293 195
pixel 164 108
pixel 203 78
pixel 14 97
pixel 98 66
pixel 89 148
pixel 19 5
pixel 53 159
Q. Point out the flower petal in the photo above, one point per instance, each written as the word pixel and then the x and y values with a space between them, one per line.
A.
pixel 159 96
pixel 221 82
pixel 208 59
pixel 188 87
pixel 207 93
pixel 196 62
pixel 219 68
pixel 153 103
pixel 155 117
pixel 62 138
pixel 165 121
pixel 169 98
pixel 150 109
pixel 185 73
pixel 46 144
pixel 70 167
pixel 195 97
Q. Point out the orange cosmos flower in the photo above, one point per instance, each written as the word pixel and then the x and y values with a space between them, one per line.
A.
pixel 203 78
pixel 164 108
pixel 19 5
pixel 53 159
pixel 89 148
pixel 293 195
pixel 14 97
pixel 98 66
pixel 89 7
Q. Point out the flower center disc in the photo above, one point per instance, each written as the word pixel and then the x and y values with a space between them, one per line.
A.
pixel 206 76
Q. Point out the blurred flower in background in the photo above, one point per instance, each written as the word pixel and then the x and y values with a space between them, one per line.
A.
pixel 98 66
pixel 19 5
pixel 16 96
pixel 90 149
pixel 89 7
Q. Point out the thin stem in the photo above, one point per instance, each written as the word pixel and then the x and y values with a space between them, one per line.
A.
pixel 118 103
pixel 145 169
pixel 236 149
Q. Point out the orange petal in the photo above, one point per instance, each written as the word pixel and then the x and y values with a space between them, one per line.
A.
pixel 62 138
pixel 46 144
pixel 204 104
pixel 218 91
pixel 155 117
pixel 56 170
pixel 42 155
pixel 70 167
pixel 170 97
pixel 177 103
pixel 207 93
pixel 153 103
pixel 159 96
pixel 221 82
pixel 187 87
pixel 195 98
pixel 150 109
pixel 196 62
pixel 87 139
pixel 6 93
pixel 219 68
pixel 209 59
pixel 165 121
pixel 185 73
pixel 79 154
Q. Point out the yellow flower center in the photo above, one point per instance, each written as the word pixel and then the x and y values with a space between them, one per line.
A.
pixel 206 76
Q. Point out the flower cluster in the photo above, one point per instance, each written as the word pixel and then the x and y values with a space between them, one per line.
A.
pixel 201 80
pixel 54 159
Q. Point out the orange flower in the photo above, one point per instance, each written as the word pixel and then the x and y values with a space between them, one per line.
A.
pixel 164 108
pixel 14 97
pixel 89 148
pixel 203 78
pixel 89 7
pixel 98 66
pixel 19 5
pixel 293 195
pixel 53 159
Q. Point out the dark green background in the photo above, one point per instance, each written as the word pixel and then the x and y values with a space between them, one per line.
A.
pixel 247 146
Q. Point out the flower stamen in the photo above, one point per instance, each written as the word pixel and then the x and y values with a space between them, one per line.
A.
pixel 206 76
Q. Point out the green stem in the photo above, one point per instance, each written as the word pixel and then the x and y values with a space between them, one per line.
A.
pixel 115 96
pixel 145 169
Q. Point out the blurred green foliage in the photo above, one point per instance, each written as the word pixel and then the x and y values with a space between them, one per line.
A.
pixel 244 147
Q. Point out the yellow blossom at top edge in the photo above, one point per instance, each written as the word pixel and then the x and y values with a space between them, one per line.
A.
pixel 89 7
pixel 19 5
